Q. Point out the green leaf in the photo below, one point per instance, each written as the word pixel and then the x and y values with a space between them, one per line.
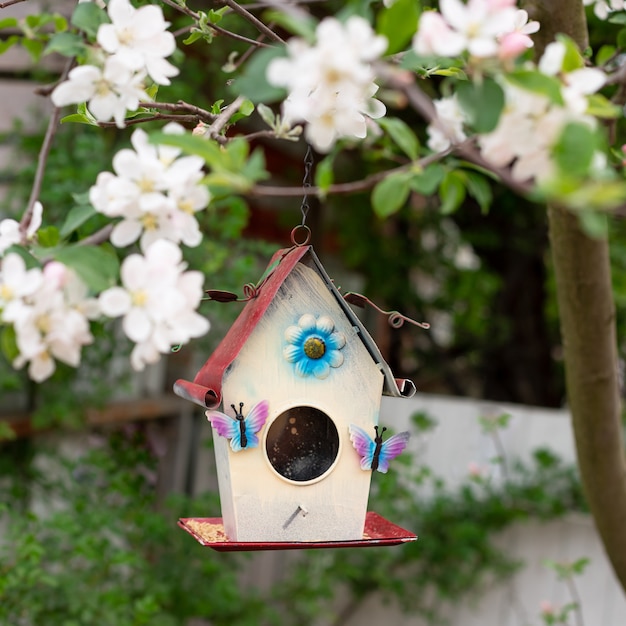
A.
pixel 29 259
pixel 88 17
pixel 34 47
pixel 617 18
pixel 266 113
pixel 575 148
pixel 428 180
pixel 451 192
pixel 48 237
pixel 479 188
pixel 402 135
pixel 9 22
pixel 253 84
pixel 78 118
pixel 208 149
pixel 391 193
pixel 303 25
pixel 602 107
pixel 595 224
pixel 8 340
pixel 98 267
pixel 398 24
pixel 8 43
pixel 572 60
pixel 67 44
pixel 324 175
pixel 246 108
pixel 604 54
pixel 482 102
pixel 621 39
pixel 532 80
pixel 254 168
pixel 76 217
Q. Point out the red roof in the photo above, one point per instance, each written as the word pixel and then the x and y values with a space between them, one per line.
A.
pixel 206 388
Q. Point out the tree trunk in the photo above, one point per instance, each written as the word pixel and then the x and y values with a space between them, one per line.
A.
pixel 587 316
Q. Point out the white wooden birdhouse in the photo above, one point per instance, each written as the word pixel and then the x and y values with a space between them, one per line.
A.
pixel 299 381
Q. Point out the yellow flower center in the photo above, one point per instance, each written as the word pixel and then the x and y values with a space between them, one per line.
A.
pixel 314 348
pixel 43 324
pixel 6 293
pixel 186 206
pixel 139 298
pixel 149 221
pixel 146 185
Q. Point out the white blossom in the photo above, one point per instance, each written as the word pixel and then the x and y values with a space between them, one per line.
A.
pixel 133 46
pixel 139 39
pixel 49 312
pixel 158 302
pixel 110 91
pixel 603 9
pixel 478 27
pixel 447 127
pixel 577 84
pixel 155 191
pixel 331 84
pixel 11 234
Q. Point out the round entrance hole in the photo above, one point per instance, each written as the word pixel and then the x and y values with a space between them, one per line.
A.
pixel 302 443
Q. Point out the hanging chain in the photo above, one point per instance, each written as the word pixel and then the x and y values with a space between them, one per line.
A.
pixel 303 229
pixel 306 183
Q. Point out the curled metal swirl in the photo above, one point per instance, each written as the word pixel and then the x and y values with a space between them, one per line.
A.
pixel 394 318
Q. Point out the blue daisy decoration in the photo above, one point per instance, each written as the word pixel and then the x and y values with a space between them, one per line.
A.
pixel 313 346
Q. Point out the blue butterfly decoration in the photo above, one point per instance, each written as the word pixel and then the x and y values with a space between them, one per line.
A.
pixel 242 431
pixel 376 453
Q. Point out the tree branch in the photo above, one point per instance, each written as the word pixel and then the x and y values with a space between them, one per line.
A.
pixel 257 23
pixel 213 131
pixel 42 159
pixel 404 81
pixel 343 188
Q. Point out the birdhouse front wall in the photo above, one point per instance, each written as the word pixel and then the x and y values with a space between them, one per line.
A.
pixel 304 481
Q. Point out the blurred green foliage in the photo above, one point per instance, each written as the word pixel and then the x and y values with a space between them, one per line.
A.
pixel 86 541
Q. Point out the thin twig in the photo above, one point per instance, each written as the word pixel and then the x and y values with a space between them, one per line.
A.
pixel 344 188
pixel 202 114
pixel 189 119
pixel 237 37
pixel 218 29
pixel 42 159
pixel 100 236
pixel 257 23
pixel 182 9
pixel 4 5
pixel 213 131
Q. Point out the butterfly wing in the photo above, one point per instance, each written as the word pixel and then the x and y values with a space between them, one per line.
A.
pixel 363 444
pixel 254 421
pixel 391 449
pixel 226 427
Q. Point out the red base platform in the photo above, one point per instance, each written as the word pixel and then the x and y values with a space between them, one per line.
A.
pixel 378 531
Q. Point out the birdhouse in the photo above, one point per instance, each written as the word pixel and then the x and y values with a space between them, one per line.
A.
pixel 299 382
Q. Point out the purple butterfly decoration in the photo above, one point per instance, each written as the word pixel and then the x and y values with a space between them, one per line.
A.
pixel 376 454
pixel 242 431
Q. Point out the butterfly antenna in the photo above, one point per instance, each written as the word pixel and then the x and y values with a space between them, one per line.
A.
pixel 379 436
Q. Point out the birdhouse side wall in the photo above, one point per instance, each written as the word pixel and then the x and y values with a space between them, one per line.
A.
pixel 261 500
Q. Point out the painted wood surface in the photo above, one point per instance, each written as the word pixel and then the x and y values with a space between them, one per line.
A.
pixel 257 503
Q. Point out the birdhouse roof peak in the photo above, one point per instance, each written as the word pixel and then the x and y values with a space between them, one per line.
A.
pixel 206 389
